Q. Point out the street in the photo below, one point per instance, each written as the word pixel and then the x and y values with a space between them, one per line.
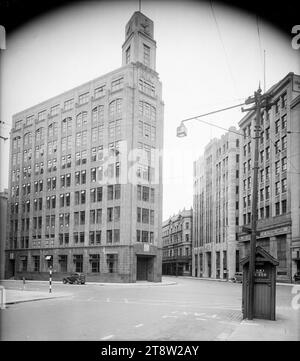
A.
pixel 191 309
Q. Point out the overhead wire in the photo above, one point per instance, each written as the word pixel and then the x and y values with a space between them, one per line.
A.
pixel 224 48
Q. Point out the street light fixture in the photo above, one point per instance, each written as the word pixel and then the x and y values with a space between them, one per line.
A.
pixel 181 131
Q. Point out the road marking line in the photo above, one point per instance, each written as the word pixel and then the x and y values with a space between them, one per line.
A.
pixel 139 325
pixel 166 316
pixel 213 316
pixel 107 337
pixel 201 319
pixel 199 314
pixel 125 300
pixel 250 324
pixel 107 300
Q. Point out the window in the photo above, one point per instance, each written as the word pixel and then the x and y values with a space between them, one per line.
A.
pixel 267 153
pixel 97 134
pixel 68 104
pixel 36 263
pixel 283 100
pixel 276 126
pixel 128 55
pixel 145 215
pixel 109 214
pixel 283 206
pixel 277 167
pixel 115 108
pixel 283 122
pixel 283 185
pixel 82 217
pixel 117 84
pixel 83 98
pixel 112 262
pixel 283 164
pixel 54 110
pixel 98 92
pixel 98 114
pixel 277 208
pixel 147 110
pixel 267 192
pixel 146 54
pixel 267 211
pixel 99 216
pixel 95 263
pixel 147 87
pixel 277 148
pixel 145 236
pixel 283 142
pixel 66 125
pixel 78 259
pixel 93 175
pixel 109 236
pixel 277 188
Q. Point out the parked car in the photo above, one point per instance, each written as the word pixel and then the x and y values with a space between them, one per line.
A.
pixel 297 276
pixel 77 278
pixel 238 277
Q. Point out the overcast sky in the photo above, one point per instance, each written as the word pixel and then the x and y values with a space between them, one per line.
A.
pixel 202 66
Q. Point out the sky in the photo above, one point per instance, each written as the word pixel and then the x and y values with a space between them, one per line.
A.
pixel 204 62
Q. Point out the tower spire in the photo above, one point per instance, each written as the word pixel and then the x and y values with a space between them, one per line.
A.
pixel 140 5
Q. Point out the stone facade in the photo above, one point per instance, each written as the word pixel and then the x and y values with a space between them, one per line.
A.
pixel 177 234
pixel 279 178
pixel 3 229
pixel 215 203
pixel 86 174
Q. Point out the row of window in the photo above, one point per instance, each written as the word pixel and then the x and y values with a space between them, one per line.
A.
pixel 115 108
pixel 63 266
pixel 280 208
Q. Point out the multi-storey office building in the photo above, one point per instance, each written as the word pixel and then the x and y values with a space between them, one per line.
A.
pixel 279 177
pixel 216 204
pixel 3 229
pixel 86 176
pixel 177 234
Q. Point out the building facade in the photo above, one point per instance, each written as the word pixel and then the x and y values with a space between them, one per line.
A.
pixel 3 229
pixel 177 234
pixel 86 174
pixel 216 203
pixel 279 177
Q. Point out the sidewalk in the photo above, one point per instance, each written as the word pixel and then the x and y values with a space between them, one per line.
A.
pixel 285 328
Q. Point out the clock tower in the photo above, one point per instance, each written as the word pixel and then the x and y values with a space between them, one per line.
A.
pixel 139 45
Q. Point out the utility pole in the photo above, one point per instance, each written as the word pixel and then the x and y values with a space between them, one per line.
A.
pixel 261 102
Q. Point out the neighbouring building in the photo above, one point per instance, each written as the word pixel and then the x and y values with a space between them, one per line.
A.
pixel 85 183
pixel 3 229
pixel 216 208
pixel 279 177
pixel 177 234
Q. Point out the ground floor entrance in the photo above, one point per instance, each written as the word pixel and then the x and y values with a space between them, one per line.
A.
pixel 144 268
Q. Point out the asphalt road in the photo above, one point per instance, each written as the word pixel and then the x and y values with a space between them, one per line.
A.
pixel 190 310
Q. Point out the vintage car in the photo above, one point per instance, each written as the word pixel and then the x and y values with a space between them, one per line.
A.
pixel 238 277
pixel 77 278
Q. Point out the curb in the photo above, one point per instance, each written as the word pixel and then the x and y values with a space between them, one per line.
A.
pixel 39 298
pixel 150 284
